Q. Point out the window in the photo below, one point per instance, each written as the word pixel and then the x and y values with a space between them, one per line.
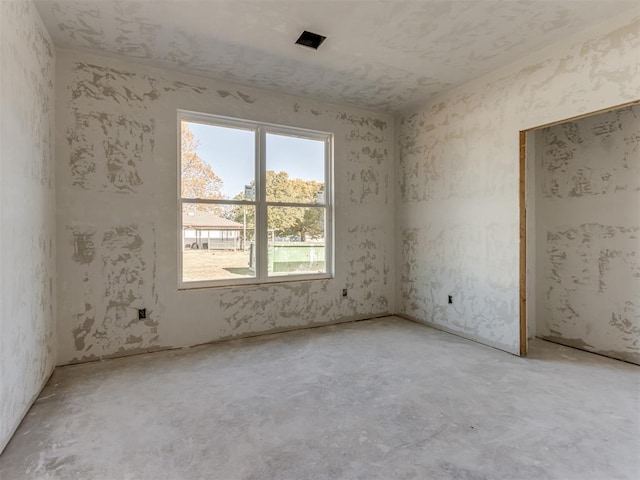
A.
pixel 255 202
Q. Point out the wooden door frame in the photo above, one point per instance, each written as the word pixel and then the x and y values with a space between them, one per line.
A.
pixel 523 242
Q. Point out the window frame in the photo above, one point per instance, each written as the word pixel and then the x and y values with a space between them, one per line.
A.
pixel 260 203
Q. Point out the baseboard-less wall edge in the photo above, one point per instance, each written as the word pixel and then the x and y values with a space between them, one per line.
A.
pixel 271 331
pixel 632 358
pixel 473 338
pixel 26 411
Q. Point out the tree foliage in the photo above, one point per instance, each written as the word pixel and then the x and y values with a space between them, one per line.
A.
pixel 299 223
pixel 198 178
pixel 200 181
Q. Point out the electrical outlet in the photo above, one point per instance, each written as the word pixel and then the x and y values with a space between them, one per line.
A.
pixel 344 292
pixel 142 313
pixel 450 299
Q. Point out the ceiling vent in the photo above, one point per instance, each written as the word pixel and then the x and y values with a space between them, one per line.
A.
pixel 310 39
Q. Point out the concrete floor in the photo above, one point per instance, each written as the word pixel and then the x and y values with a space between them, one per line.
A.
pixel 380 399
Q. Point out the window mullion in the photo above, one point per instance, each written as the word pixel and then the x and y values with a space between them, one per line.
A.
pixel 296 204
pixel 215 201
pixel 261 194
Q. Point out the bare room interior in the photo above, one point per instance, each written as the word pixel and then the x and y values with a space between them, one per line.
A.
pixel 352 239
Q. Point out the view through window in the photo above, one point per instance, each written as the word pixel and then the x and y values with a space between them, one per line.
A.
pixel 254 200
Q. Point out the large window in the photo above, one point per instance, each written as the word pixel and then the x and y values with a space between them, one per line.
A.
pixel 255 202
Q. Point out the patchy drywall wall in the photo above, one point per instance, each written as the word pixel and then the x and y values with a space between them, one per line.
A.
pixel 588 233
pixel 27 212
pixel 117 213
pixel 458 177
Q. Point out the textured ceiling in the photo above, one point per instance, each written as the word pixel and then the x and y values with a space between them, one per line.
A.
pixel 379 55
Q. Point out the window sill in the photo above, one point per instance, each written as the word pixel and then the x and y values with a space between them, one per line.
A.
pixel 252 282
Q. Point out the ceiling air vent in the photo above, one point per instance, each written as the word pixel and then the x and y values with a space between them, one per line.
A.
pixel 310 39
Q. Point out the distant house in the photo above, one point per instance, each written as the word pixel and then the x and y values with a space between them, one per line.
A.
pixel 206 231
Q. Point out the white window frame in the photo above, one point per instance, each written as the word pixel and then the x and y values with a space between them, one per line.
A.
pixel 260 203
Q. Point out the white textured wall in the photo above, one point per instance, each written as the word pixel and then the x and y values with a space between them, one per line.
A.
pixel 27 237
pixel 588 233
pixel 117 212
pixel 459 169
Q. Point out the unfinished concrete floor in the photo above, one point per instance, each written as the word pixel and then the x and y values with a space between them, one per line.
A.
pixel 379 399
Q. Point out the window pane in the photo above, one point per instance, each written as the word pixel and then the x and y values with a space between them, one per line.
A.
pixel 217 162
pixel 296 241
pixel 295 169
pixel 218 242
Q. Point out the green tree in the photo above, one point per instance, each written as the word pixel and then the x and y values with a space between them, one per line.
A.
pixel 295 222
pixel 198 178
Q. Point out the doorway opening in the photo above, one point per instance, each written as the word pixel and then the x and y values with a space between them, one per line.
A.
pixel 580 233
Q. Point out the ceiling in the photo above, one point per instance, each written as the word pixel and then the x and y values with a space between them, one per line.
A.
pixel 380 55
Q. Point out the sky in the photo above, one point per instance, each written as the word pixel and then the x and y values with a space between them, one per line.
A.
pixel 230 152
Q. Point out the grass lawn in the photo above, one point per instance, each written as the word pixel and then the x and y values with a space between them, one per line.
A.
pixel 215 265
